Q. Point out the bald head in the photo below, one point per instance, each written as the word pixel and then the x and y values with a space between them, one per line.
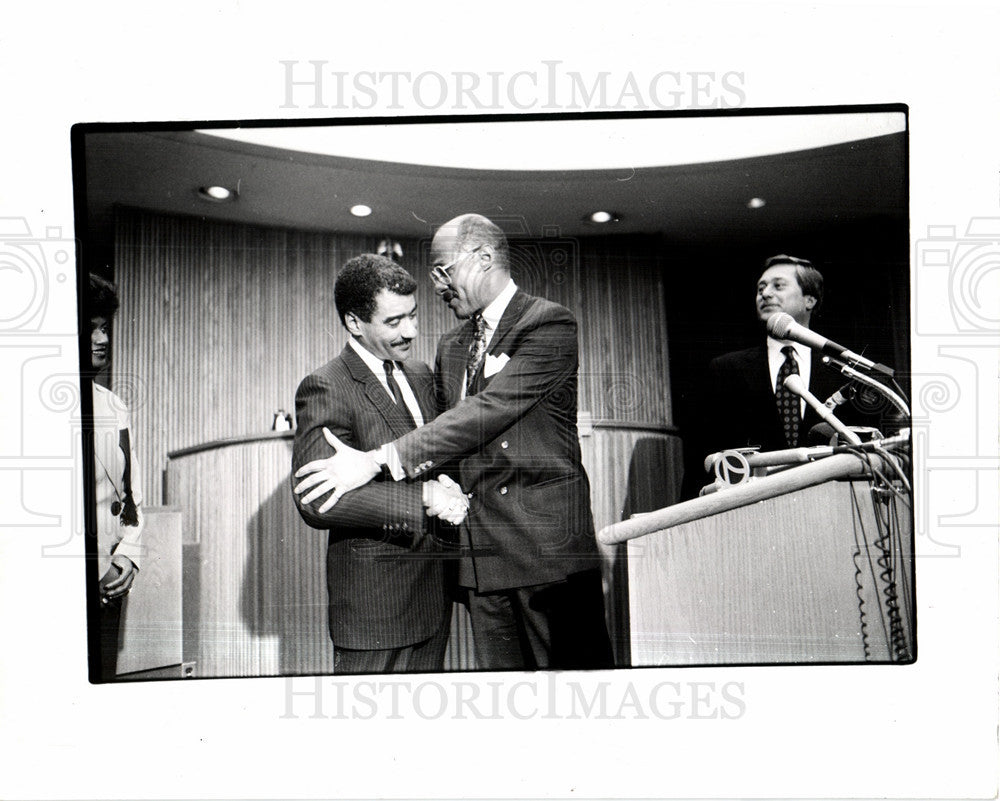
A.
pixel 470 231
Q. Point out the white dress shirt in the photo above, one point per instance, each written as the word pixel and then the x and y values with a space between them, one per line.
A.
pixel 493 313
pixel 775 358
pixel 388 455
pixel 375 365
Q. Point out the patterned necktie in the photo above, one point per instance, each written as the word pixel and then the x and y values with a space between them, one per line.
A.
pixel 477 351
pixel 394 389
pixel 788 401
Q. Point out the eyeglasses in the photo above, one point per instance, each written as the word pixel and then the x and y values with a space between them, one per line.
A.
pixel 441 273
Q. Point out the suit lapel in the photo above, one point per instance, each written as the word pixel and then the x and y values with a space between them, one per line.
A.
pixel 758 373
pixel 397 420
pixel 423 390
pixel 509 317
pixel 454 357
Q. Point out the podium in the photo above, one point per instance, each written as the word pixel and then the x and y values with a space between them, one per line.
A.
pixel 811 565
pixel 151 626
pixel 254 579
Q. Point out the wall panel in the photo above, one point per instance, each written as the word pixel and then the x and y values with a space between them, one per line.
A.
pixel 219 322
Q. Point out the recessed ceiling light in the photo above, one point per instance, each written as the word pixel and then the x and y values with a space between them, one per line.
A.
pixel 601 217
pixel 361 210
pixel 217 193
pixel 756 203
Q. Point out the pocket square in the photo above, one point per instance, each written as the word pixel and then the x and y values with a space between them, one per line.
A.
pixel 494 364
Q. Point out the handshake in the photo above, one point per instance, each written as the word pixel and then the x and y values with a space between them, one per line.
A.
pixel 445 499
pixel 349 469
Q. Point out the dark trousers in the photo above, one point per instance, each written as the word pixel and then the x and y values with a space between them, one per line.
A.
pixel 426 656
pixel 557 626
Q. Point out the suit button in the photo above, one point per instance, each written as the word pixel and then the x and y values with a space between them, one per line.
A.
pixel 504 444
pixel 503 490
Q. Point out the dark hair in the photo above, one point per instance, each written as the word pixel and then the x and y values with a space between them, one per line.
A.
pixel 103 297
pixel 362 278
pixel 810 279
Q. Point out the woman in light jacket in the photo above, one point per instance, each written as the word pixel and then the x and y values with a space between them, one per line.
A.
pixel 117 485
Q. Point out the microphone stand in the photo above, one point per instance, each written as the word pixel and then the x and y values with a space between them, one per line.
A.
pixel 861 378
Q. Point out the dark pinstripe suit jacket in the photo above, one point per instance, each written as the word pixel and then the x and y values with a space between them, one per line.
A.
pixel 384 571
pixel 516 441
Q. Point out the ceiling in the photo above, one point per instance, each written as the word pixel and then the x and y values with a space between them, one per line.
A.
pixel 161 170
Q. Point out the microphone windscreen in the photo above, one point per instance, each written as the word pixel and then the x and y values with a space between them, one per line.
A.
pixel 794 383
pixel 778 325
pixel 821 434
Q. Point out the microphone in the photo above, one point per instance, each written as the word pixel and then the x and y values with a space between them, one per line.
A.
pixel 821 434
pixel 838 398
pixel 782 326
pixel 868 381
pixel 795 384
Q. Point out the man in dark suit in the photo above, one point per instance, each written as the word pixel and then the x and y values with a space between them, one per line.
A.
pixel 749 404
pixel 507 376
pixel 389 610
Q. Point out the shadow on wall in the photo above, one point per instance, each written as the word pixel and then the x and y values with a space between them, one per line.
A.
pixel 653 482
pixel 283 598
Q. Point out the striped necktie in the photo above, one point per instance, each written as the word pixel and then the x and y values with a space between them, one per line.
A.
pixel 397 396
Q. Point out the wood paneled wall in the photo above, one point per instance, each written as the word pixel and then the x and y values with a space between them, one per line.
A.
pixel 219 322
pixel 255 599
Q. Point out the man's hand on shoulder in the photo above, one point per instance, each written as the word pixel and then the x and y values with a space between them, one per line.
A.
pixel 346 470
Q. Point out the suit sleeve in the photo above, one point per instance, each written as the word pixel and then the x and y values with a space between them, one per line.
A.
pixel 382 506
pixel 716 431
pixel 542 360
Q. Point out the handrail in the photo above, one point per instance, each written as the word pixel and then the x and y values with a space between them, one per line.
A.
pixel 243 439
pixel 840 465
pixel 602 424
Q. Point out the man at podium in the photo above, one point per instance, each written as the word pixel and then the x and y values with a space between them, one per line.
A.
pixel 751 406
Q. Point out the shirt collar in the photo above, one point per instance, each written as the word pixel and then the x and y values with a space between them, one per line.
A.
pixel 374 362
pixel 802 353
pixel 493 312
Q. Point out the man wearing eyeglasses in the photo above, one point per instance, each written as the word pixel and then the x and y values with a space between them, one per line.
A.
pixel 507 378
